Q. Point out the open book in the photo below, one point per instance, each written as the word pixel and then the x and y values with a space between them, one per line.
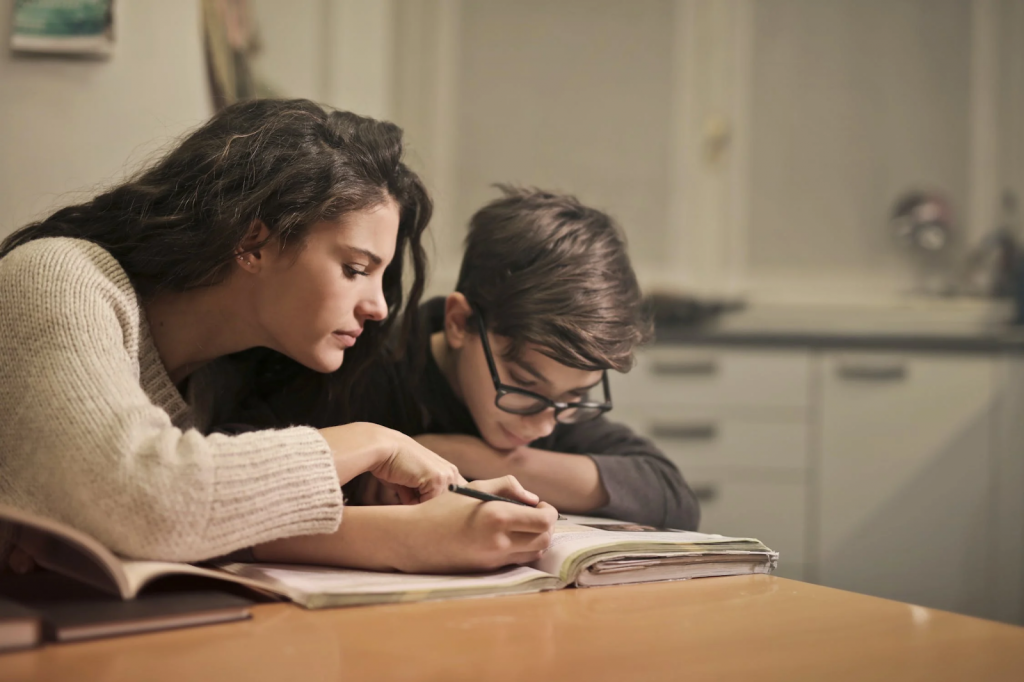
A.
pixel 585 552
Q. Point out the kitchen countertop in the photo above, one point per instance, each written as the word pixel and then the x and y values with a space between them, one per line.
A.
pixel 974 327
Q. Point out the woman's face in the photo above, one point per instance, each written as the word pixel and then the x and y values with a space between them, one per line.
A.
pixel 312 302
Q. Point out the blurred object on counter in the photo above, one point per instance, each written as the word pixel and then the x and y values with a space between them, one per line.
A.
pixel 684 310
pixel 1008 238
pixel 1018 291
pixel 922 223
pixel 991 268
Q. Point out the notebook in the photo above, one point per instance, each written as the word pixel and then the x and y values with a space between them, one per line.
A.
pixel 585 552
pixel 20 626
pixel 70 611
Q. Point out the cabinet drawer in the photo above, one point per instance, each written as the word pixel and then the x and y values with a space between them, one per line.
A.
pixel 771 511
pixel 672 375
pixel 691 437
pixel 906 477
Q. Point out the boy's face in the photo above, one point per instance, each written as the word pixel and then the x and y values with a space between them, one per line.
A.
pixel 532 371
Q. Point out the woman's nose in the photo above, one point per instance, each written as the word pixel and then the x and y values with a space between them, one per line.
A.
pixel 374 306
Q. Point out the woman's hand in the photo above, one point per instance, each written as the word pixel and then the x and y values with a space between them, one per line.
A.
pixel 372 491
pixel 449 534
pixel 454 533
pixel 415 473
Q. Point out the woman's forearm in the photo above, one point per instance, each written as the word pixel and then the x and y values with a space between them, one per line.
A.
pixel 365 539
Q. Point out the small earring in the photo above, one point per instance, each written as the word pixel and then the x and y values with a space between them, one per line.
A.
pixel 246 261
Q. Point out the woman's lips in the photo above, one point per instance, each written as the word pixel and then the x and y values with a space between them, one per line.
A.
pixel 346 339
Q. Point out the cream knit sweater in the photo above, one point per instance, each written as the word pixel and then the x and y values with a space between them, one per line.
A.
pixel 94 433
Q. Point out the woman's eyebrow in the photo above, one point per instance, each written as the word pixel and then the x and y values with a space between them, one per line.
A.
pixel 377 260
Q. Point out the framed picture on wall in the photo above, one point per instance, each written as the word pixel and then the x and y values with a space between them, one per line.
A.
pixel 67 27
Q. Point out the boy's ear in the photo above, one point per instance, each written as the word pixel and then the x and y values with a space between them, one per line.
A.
pixel 456 318
pixel 249 252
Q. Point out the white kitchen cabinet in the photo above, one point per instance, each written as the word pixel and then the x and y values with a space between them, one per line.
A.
pixel 761 381
pixel 906 477
pixel 1007 577
pixel 896 474
pixel 771 507
pixel 721 438
pixel 735 422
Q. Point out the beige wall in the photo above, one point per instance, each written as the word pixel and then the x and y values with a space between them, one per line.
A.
pixel 70 125
pixel 828 108
pixel 1011 104
pixel 574 96
pixel 853 103
pixel 821 113
pixel 292 58
pixel 338 52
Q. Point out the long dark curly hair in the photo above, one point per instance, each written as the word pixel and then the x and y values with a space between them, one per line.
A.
pixel 179 224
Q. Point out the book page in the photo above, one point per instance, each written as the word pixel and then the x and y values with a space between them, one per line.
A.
pixel 140 573
pixel 575 544
pixel 68 551
pixel 666 569
pixel 315 586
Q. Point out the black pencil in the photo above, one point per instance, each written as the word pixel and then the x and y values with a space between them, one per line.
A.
pixel 487 497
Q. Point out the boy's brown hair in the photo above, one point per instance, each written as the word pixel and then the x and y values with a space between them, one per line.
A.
pixel 544 269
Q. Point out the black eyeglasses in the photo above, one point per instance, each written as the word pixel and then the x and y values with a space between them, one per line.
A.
pixel 520 401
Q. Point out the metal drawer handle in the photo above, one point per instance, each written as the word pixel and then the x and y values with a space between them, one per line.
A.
pixel 896 371
pixel 700 367
pixel 708 431
pixel 705 493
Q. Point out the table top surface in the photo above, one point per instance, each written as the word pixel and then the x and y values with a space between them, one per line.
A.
pixel 741 628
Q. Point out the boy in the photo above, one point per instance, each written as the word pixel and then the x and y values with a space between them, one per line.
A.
pixel 508 374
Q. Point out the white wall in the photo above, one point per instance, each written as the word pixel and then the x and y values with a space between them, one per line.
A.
pixel 69 125
pixel 1011 104
pixel 337 52
pixel 292 58
pixel 853 103
pixel 610 100
pixel 747 146
pixel 573 95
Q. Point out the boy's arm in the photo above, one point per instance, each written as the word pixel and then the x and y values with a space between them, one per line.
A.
pixel 569 482
pixel 619 475
pixel 643 485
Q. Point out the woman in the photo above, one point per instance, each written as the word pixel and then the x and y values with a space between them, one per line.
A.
pixel 276 224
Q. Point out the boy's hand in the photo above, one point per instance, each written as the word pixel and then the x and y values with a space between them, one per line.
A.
pixel 571 482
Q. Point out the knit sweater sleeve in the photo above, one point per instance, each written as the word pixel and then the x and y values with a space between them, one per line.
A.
pixel 84 443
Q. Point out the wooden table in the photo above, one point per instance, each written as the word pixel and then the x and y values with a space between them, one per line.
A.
pixel 750 628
